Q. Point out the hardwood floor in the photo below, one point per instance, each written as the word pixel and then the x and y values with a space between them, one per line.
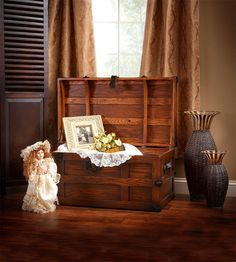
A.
pixel 183 231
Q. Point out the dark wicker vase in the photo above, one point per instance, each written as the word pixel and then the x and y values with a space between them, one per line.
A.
pixel 217 180
pixel 194 161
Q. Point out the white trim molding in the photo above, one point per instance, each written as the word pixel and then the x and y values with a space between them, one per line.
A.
pixel 181 187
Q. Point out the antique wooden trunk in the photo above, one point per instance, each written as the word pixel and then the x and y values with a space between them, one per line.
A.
pixel 142 111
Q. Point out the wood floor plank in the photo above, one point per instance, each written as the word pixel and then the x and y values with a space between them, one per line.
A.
pixel 183 231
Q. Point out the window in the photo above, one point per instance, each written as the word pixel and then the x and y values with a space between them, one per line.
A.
pixel 119 30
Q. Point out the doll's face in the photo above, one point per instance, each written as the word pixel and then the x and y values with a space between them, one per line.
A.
pixel 40 154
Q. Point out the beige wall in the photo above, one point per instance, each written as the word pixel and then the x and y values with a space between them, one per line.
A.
pixel 218 75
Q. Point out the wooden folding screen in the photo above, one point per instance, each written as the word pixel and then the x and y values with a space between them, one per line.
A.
pixel 23 82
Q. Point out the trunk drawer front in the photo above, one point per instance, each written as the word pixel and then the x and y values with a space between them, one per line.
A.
pixel 142 183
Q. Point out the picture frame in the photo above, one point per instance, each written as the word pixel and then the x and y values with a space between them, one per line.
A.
pixel 81 130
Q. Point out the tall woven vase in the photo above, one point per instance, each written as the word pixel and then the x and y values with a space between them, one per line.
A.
pixel 194 161
pixel 217 178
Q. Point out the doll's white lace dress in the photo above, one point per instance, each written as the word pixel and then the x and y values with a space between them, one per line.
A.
pixel 41 194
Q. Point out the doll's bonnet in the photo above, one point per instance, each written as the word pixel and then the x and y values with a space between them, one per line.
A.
pixel 26 152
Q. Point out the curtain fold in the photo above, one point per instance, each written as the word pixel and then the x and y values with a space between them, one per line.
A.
pixel 71 49
pixel 171 47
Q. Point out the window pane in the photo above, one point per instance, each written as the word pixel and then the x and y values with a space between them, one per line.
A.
pixel 130 37
pixel 129 65
pixel 119 30
pixel 132 10
pixel 107 65
pixel 106 37
pixel 143 10
pixel 105 10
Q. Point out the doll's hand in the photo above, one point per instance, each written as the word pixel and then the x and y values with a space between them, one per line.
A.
pixel 42 168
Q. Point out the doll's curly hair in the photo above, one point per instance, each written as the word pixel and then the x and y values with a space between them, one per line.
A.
pixel 29 164
pixel 29 156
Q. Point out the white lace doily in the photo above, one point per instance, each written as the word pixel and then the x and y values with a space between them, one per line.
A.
pixel 101 159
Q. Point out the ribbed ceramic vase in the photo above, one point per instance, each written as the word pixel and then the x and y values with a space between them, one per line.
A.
pixel 194 161
pixel 217 180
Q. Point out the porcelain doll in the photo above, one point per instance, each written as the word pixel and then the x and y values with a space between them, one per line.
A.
pixel 40 170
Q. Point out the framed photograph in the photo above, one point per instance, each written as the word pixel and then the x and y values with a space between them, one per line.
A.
pixel 80 130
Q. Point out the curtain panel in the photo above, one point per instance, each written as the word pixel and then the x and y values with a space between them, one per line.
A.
pixel 71 47
pixel 171 47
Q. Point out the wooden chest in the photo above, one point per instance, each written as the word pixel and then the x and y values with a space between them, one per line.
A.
pixel 142 111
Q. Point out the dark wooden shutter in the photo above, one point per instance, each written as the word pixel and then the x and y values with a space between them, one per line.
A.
pixel 23 81
pixel 24 45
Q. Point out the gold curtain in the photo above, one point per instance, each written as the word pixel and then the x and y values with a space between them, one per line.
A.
pixel 171 47
pixel 71 50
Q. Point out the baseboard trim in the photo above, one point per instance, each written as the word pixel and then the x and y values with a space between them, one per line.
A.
pixel 182 188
